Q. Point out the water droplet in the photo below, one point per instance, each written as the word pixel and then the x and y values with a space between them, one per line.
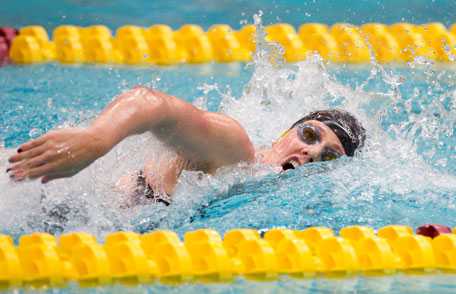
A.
pixel 35 132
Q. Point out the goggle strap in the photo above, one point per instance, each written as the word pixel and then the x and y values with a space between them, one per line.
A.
pixel 284 133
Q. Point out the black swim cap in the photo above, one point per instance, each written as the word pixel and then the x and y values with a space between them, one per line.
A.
pixel 346 127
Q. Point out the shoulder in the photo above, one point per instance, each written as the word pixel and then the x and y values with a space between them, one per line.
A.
pixel 237 143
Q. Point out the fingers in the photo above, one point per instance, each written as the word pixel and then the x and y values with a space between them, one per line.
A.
pixel 33 168
pixel 32 144
pixel 31 163
pixel 47 179
pixel 43 170
pixel 19 170
pixel 18 175
pixel 27 154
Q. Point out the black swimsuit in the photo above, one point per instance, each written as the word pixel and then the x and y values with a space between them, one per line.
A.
pixel 144 189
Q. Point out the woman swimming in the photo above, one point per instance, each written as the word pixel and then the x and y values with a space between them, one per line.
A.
pixel 202 140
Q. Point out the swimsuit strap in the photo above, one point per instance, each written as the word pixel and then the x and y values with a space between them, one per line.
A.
pixel 144 188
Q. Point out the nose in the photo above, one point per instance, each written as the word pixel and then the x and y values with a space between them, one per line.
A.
pixel 311 153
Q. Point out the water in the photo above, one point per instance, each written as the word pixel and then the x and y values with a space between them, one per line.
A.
pixel 406 173
pixel 397 284
pixel 115 13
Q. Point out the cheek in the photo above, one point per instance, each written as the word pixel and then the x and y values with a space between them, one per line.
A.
pixel 293 141
pixel 284 146
pixel 293 145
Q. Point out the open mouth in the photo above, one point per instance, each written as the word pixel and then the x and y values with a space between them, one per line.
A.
pixel 291 164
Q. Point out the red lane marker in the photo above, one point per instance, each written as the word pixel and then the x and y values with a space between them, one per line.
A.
pixel 9 34
pixel 4 50
pixel 432 230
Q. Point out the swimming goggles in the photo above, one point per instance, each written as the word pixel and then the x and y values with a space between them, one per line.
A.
pixel 311 135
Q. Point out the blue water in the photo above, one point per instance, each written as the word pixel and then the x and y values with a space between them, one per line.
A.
pixel 74 93
pixel 115 13
pixel 368 191
pixel 406 174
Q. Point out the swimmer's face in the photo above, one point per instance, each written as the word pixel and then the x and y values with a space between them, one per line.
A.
pixel 310 141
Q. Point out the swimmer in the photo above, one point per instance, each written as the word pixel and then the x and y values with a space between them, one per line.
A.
pixel 203 141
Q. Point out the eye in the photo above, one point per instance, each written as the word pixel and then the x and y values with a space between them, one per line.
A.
pixel 329 155
pixel 309 134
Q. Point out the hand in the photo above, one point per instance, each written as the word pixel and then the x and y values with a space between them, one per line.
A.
pixel 57 154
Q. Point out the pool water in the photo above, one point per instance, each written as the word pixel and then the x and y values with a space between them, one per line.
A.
pixel 116 13
pixel 406 173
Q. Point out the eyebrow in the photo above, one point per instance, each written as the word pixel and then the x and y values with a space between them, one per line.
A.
pixel 334 150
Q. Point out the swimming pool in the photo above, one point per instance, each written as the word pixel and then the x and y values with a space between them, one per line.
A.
pixel 405 175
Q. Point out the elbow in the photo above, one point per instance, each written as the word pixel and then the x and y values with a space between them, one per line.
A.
pixel 145 107
pixel 147 91
pixel 147 100
pixel 157 108
pixel 140 91
pixel 143 89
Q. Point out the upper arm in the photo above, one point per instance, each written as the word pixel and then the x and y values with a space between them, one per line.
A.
pixel 208 138
pixel 229 137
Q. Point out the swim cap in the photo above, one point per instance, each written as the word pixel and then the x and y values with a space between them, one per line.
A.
pixel 346 127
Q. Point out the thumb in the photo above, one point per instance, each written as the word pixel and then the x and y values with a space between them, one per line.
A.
pixel 47 179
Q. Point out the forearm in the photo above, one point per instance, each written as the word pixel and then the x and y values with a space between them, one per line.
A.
pixel 205 138
pixel 208 140
pixel 133 112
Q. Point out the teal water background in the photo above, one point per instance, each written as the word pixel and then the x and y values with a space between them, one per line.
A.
pixel 115 13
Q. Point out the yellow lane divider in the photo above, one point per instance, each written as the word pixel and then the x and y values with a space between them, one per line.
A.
pixel 40 259
pixel 161 45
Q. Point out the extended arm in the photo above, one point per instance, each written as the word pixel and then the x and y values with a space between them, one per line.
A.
pixel 207 139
